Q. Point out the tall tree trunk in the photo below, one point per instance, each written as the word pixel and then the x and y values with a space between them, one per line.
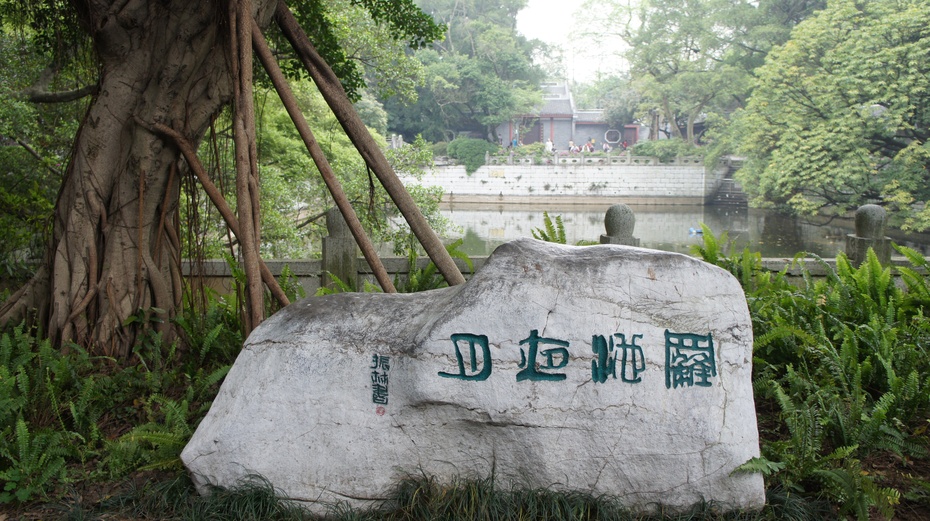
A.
pixel 692 116
pixel 115 249
pixel 670 117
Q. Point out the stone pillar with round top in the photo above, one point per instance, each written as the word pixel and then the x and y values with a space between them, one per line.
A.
pixel 871 220
pixel 619 222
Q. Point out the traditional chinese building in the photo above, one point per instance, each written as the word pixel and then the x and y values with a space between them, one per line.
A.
pixel 559 121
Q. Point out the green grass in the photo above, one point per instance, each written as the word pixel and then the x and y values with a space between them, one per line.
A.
pixel 414 499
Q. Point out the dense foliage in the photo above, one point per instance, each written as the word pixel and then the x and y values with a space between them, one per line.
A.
pixel 35 141
pixel 350 33
pixel 839 364
pixel 826 98
pixel 667 149
pixel 691 62
pixel 482 74
pixel 839 117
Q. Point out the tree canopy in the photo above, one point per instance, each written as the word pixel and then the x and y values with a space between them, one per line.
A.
pixel 839 116
pixel 691 60
pixel 480 75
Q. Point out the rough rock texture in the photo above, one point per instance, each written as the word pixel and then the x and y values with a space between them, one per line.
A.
pixel 640 386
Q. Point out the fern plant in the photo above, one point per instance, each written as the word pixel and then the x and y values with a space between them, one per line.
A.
pixel 840 358
pixel 213 332
pixel 156 444
pixel 552 230
pixel 291 287
pixel 427 278
pixel 35 462
pixel 339 286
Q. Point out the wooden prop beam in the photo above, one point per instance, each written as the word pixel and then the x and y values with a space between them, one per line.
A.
pixel 334 94
pixel 339 196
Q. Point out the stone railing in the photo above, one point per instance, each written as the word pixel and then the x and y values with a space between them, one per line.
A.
pixel 312 274
pixel 588 159
pixel 309 273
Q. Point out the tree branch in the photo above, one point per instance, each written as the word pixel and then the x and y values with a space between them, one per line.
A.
pixel 36 155
pixel 187 150
pixel 244 140
pixel 35 94
pixel 38 92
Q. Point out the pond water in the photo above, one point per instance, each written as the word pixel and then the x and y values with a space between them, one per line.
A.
pixel 668 228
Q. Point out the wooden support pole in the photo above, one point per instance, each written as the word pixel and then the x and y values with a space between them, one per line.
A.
pixel 328 84
pixel 339 196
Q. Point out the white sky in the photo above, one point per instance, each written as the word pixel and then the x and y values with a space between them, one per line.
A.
pixel 554 22
pixel 546 20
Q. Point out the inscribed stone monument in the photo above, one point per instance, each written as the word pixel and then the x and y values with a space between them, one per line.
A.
pixel 603 369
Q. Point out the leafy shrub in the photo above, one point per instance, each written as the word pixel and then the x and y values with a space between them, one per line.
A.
pixel 840 359
pixel 667 149
pixel 35 461
pixel 43 402
pixel 58 408
pixel 535 150
pixel 157 444
pixel 423 279
pixel 440 148
pixel 470 152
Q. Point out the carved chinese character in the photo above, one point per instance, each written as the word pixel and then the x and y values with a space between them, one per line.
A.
pixel 380 362
pixel 554 358
pixel 605 363
pixel 632 361
pixel 379 380
pixel 689 360
pixel 379 394
pixel 471 372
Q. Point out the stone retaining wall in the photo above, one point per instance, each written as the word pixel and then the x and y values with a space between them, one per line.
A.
pixel 627 182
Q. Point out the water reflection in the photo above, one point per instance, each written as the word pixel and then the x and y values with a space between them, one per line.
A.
pixel 484 227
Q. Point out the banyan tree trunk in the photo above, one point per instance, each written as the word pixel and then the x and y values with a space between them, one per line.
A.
pixel 114 252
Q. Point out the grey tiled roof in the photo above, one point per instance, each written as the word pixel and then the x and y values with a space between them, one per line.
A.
pixel 557 102
pixel 554 90
pixel 557 106
pixel 589 115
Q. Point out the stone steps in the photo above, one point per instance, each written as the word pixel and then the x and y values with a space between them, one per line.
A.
pixel 730 193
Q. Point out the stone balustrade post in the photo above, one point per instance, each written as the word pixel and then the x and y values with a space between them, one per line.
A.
pixel 871 220
pixel 619 222
pixel 340 252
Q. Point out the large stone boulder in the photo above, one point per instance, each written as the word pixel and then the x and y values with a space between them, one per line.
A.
pixel 604 369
